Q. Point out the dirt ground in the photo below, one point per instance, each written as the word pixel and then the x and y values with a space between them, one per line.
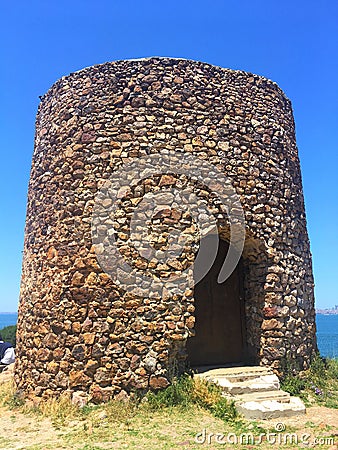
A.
pixel 28 432
pixel 160 431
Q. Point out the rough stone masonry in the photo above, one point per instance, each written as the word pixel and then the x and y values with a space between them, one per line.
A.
pixel 78 330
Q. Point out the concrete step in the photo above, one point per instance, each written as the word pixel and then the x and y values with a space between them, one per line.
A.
pixel 255 391
pixel 236 373
pixel 259 384
pixel 279 396
pixel 241 380
pixel 271 409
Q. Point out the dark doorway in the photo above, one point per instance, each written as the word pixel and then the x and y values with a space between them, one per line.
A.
pixel 219 326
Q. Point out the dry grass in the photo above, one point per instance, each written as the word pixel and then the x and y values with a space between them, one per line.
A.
pixel 151 424
pixel 204 393
pixel 7 393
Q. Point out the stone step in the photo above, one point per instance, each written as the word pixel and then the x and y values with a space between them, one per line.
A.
pixel 255 391
pixel 278 395
pixel 241 380
pixel 271 409
pixel 235 373
pixel 260 384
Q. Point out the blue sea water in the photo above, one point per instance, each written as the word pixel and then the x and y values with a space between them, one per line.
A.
pixel 327 331
pixel 327 334
pixel 8 319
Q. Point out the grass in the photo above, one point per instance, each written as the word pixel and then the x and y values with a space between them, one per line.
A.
pixel 186 391
pixel 141 422
pixel 169 419
pixel 318 385
pixel 8 396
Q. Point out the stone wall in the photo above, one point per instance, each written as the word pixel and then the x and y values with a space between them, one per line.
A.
pixel 78 329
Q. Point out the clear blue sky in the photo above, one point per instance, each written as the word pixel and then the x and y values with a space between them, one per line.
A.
pixel 294 43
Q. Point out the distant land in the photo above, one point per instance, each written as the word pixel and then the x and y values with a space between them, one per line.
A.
pixel 328 311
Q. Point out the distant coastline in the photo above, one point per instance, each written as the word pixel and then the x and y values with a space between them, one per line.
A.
pixel 328 311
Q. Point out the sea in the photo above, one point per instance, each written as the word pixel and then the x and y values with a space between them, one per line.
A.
pixel 327 331
pixel 7 319
pixel 327 334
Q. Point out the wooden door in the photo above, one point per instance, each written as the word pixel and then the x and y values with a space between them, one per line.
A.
pixel 219 335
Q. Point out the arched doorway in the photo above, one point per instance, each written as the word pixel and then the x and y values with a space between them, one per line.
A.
pixel 219 313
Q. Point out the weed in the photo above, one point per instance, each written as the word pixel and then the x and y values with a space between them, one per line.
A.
pixel 8 395
pixel 293 384
pixel 186 391
pixel 319 384
pixel 178 393
pixel 322 381
pixel 224 409
pixel 120 411
pixel 59 410
pixel 204 393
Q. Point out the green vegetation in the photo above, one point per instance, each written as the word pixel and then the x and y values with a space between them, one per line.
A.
pixel 185 392
pixel 318 385
pixel 177 394
pixel 9 334
pixel 155 420
pixel 171 418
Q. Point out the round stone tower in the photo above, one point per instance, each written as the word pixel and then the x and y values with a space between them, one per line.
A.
pixel 138 165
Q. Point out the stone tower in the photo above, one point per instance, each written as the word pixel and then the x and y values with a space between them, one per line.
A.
pixel 104 309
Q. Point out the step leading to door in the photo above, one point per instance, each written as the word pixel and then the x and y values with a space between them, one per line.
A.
pixel 277 395
pixel 241 380
pixel 255 391
pixel 271 409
